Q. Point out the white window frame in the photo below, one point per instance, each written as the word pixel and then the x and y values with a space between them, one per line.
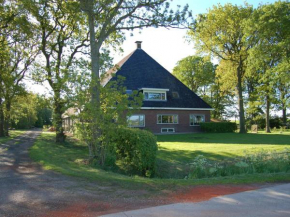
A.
pixel 194 117
pixel 156 91
pixel 167 130
pixel 168 115
pixel 139 120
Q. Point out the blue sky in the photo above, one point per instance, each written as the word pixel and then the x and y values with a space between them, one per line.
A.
pixel 169 46
pixel 165 46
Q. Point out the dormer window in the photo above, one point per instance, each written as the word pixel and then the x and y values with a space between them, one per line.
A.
pixel 154 94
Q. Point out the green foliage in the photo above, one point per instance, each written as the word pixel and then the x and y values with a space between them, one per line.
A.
pixel 220 33
pixel 96 125
pixel 137 149
pixel 262 162
pixel 18 49
pixel 218 127
pixel 197 73
pixel 30 110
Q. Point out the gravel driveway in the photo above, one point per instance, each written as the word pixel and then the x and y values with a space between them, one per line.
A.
pixel 28 190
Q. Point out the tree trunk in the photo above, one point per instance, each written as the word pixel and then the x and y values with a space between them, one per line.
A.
pixel 1 119
pixel 284 116
pixel 268 130
pixel 7 118
pixel 95 147
pixel 240 100
pixel 58 109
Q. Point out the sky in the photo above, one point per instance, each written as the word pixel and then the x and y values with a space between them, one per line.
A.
pixel 166 46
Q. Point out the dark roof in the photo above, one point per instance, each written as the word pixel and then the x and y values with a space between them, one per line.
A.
pixel 142 71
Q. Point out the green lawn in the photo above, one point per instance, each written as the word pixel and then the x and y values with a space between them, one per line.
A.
pixel 175 152
pixel 13 134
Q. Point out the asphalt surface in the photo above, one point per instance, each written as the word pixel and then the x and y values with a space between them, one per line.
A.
pixel 266 202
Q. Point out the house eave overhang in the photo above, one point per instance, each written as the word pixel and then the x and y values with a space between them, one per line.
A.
pixel 185 109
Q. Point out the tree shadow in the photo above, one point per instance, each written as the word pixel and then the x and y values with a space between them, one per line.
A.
pixel 228 138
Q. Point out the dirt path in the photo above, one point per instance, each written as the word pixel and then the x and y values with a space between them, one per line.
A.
pixel 28 190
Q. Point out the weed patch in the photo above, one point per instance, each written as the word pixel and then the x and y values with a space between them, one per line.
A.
pixel 261 162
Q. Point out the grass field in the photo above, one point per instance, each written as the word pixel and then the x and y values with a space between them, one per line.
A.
pixel 175 152
pixel 13 134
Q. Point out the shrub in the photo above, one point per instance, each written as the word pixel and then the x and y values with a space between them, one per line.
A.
pixel 218 127
pixel 261 162
pixel 137 149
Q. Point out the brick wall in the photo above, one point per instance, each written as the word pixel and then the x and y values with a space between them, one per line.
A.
pixel 183 120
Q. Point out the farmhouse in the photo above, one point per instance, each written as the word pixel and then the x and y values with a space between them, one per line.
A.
pixel 168 105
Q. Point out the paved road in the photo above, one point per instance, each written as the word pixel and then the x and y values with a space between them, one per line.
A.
pixel 267 202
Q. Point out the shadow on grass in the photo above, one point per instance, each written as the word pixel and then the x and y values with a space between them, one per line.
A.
pixel 228 138
pixel 176 163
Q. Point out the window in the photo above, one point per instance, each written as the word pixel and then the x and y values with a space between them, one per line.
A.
pixel 196 119
pixel 167 119
pixel 175 95
pixel 154 96
pixel 136 121
pixel 167 130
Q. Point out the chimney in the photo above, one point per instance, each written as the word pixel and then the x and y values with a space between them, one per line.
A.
pixel 138 44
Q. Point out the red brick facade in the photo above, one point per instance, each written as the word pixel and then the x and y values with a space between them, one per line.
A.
pixel 183 124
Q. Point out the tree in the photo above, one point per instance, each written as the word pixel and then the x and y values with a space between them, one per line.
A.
pixel 197 73
pixel 106 21
pixel 220 32
pixel 30 110
pixel 267 58
pixel 63 35
pixel 18 51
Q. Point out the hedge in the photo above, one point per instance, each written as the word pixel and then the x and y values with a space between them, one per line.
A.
pixel 218 127
pixel 137 148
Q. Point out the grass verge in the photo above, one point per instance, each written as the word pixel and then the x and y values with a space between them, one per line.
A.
pixel 68 159
pixel 176 152
pixel 13 134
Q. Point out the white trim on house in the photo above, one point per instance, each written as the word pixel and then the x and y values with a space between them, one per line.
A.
pixel 139 120
pixel 156 91
pixel 188 109
pixel 168 115
pixel 172 130
pixel 193 125
pixel 153 89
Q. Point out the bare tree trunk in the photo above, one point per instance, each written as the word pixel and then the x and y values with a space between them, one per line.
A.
pixel 1 119
pixel 268 130
pixel 95 146
pixel 58 110
pixel 284 116
pixel 7 118
pixel 240 100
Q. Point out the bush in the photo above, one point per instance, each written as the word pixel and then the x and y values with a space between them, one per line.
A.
pixel 262 162
pixel 218 127
pixel 137 149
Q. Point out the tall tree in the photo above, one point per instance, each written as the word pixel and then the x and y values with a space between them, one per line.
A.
pixel 63 35
pixel 221 33
pixel 271 27
pixel 106 21
pixel 18 51
pixel 199 75
pixel 195 72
